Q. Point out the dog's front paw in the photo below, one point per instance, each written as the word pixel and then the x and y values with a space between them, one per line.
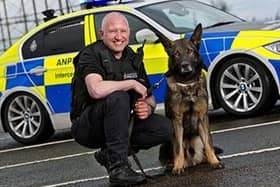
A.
pixel 177 171
pixel 179 166
pixel 219 165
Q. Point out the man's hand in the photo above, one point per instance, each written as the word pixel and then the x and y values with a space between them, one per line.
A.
pixel 142 109
pixel 140 89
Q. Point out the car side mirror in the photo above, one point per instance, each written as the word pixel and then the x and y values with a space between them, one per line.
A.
pixel 146 35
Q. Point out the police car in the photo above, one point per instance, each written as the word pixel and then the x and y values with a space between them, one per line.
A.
pixel 242 60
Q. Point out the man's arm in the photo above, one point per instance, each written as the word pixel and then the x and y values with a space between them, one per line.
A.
pixel 99 88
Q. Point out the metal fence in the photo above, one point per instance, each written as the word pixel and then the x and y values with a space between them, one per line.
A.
pixel 19 16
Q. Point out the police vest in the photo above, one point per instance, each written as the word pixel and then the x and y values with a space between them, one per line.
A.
pixel 133 69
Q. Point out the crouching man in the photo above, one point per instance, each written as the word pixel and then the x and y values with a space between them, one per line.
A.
pixel 103 96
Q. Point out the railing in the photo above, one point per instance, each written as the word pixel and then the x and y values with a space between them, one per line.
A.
pixel 19 16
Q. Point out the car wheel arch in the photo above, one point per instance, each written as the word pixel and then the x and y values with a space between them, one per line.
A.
pixel 8 94
pixel 216 65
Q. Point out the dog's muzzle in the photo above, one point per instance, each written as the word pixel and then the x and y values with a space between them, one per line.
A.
pixel 186 68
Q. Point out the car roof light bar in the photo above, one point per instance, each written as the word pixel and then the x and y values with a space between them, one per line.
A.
pixel 86 4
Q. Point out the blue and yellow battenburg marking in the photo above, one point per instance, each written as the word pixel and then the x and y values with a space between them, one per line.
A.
pixel 214 43
pixel 53 86
pixel 155 61
pixel 57 82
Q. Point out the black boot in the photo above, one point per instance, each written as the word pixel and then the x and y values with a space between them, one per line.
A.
pixel 119 170
pixel 121 174
pixel 102 158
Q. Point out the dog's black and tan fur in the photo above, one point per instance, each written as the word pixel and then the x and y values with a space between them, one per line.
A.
pixel 186 105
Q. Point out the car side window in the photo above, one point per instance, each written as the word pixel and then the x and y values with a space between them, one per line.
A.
pixel 135 24
pixel 63 37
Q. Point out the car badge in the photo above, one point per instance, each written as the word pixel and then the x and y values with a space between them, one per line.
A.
pixel 33 46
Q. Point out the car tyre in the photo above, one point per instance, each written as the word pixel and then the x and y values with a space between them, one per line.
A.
pixel 244 87
pixel 26 119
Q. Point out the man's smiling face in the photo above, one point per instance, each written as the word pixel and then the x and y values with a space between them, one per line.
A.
pixel 115 33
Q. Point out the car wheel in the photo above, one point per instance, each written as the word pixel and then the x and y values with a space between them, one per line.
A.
pixel 244 88
pixel 26 119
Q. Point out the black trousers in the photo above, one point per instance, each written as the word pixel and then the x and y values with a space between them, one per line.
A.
pixel 104 124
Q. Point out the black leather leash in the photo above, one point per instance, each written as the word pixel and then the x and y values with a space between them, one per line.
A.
pixel 132 112
pixel 131 124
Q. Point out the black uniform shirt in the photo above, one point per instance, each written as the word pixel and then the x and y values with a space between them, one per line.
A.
pixel 97 58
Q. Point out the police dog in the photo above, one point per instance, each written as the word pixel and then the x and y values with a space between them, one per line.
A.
pixel 186 105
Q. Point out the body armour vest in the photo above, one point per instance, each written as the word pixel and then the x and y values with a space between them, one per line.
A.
pixel 130 67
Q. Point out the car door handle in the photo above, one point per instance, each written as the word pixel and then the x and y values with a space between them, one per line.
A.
pixel 39 70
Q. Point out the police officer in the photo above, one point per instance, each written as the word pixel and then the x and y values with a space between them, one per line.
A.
pixel 109 81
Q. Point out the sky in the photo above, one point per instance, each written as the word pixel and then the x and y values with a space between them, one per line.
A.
pixel 249 9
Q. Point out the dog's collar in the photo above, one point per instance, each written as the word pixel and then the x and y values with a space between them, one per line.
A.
pixel 185 84
pixel 199 78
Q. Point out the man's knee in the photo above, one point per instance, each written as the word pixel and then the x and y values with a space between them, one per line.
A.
pixel 119 99
pixel 164 128
pixel 168 128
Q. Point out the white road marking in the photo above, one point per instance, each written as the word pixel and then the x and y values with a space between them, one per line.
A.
pixel 35 146
pixel 70 140
pixel 247 127
pixel 46 160
pixel 250 152
pixel 78 181
pixel 158 168
pixel 148 169
pixel 92 152
pixel 92 179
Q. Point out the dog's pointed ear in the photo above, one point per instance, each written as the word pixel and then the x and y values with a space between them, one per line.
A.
pixel 196 36
pixel 167 44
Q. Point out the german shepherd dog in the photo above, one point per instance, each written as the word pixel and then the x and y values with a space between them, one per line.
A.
pixel 186 105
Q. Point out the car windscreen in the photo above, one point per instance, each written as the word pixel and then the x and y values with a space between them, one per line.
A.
pixel 183 15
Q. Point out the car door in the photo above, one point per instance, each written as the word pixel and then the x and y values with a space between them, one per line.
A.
pixel 48 57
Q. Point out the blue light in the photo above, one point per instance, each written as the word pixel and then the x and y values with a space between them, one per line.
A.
pixel 99 2
pixel 94 2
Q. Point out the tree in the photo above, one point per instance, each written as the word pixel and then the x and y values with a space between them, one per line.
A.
pixel 221 4
pixel 277 16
